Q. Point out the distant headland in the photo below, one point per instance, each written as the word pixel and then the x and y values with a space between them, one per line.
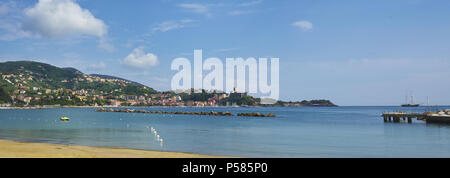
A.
pixel 35 84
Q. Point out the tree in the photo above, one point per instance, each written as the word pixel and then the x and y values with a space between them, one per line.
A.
pixel 245 100
pixel 4 95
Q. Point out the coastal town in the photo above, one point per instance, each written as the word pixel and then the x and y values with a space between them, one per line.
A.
pixel 34 84
pixel 27 95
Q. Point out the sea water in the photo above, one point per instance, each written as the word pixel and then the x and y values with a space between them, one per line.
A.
pixel 296 132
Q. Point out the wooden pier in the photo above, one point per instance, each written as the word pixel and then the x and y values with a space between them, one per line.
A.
pixel 398 116
pixel 429 117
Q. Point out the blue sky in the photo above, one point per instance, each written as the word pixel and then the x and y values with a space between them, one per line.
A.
pixel 351 52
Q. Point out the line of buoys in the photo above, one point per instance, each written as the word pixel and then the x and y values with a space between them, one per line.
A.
pixel 158 138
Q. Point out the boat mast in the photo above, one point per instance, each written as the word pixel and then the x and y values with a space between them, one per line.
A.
pixel 412 98
pixel 406 97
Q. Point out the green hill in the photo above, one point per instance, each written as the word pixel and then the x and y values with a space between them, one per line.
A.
pixel 37 77
pixel 46 70
pixel 321 102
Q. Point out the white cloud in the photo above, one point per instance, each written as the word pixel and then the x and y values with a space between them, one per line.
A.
pixel 304 25
pixel 139 59
pixel 251 3
pixel 171 25
pixel 54 18
pixel 196 8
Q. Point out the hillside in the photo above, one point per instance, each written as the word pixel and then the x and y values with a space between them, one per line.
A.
pixel 39 80
pixel 45 70
pixel 114 77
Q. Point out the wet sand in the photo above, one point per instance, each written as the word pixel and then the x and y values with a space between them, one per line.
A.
pixel 13 149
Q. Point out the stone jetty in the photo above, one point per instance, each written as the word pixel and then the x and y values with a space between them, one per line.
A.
pixel 256 114
pixel 212 113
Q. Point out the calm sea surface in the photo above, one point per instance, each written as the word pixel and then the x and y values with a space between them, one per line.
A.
pixel 297 132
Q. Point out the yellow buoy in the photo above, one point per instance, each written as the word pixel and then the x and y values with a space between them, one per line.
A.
pixel 64 119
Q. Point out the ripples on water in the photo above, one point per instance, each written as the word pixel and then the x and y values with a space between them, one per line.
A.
pixel 297 132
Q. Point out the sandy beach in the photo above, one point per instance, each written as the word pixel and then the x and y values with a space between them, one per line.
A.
pixel 13 149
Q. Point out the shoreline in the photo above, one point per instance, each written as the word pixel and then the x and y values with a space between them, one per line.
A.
pixel 47 107
pixel 16 149
pixel 53 107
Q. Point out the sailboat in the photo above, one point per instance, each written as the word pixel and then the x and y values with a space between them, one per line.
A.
pixel 410 104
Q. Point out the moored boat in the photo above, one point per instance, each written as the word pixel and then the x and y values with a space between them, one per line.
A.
pixel 410 103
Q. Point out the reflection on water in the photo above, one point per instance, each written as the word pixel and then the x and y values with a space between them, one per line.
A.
pixel 438 125
pixel 297 132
